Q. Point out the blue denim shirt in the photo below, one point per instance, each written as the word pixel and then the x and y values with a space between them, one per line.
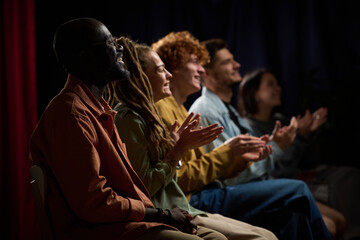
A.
pixel 213 110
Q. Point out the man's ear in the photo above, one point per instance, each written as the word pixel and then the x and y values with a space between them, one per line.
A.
pixel 89 58
pixel 84 56
pixel 206 72
pixel 208 79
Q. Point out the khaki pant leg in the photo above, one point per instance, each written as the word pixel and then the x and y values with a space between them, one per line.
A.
pixel 234 229
pixel 203 233
pixel 209 234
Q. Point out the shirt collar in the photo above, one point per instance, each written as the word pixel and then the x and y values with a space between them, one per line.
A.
pixel 215 99
pixel 74 84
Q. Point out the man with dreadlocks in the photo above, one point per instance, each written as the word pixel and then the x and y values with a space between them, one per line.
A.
pixel 258 202
pixel 154 154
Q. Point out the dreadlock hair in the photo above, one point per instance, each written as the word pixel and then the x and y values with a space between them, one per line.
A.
pixel 136 92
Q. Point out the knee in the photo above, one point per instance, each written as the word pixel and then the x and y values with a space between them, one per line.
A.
pixel 300 187
pixel 330 225
pixel 335 226
pixel 340 224
pixel 336 220
pixel 270 236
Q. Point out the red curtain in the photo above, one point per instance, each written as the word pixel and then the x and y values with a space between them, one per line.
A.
pixel 18 116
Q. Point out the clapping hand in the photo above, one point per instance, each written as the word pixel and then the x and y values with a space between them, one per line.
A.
pixel 189 136
pixel 309 123
pixel 249 147
pixel 284 136
pixel 319 118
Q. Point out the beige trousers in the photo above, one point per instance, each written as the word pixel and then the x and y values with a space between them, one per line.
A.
pixel 233 229
pixel 161 234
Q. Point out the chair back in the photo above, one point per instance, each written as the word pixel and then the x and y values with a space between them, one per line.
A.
pixel 38 187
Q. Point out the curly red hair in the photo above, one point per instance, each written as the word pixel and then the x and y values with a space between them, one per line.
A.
pixel 175 49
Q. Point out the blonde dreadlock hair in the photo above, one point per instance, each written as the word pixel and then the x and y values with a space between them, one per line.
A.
pixel 136 92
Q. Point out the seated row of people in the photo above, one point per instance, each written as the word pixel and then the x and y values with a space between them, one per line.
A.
pixel 148 175
pixel 93 191
pixel 253 201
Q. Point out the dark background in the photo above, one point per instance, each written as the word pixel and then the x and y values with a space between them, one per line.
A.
pixel 313 47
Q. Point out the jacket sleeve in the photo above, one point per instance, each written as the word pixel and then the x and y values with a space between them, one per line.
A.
pixel 71 147
pixel 199 169
pixel 154 174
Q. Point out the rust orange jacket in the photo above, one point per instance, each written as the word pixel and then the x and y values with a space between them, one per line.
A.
pixel 93 191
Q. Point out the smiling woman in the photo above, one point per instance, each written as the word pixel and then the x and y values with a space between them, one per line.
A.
pixel 155 70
